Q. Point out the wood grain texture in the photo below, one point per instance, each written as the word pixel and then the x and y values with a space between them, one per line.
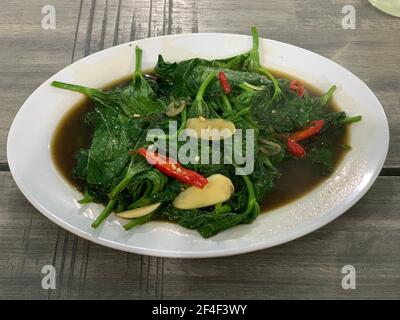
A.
pixel 367 236
pixel 30 55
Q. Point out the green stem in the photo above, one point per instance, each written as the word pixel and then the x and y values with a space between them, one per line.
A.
pixel 144 199
pixel 74 87
pixel 250 190
pixel 212 112
pixel 246 88
pixel 138 64
pixel 244 98
pixel 138 221
pixel 205 84
pixel 137 165
pixel 240 113
pixel 277 89
pixel 254 53
pixel 227 107
pixel 104 214
pixel 349 120
pixel 254 33
pixel 327 96
pixel 182 126
pixel 269 164
pixel 86 198
pixel 243 111
pixel 198 102
pixel 222 208
pixel 249 87
pixel 139 203
pixel 122 185
pixel 252 197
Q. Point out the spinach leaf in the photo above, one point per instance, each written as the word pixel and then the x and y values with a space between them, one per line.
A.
pixel 322 158
pixel 200 108
pixel 179 78
pixel 110 172
pixel 209 223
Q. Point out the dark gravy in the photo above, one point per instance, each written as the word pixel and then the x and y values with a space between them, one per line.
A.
pixel 298 177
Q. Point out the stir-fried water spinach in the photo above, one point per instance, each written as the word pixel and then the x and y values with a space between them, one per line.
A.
pixel 121 170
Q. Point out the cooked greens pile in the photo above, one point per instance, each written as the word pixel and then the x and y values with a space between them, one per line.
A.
pixel 288 123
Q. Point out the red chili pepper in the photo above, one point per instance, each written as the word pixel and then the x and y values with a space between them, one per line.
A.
pixel 315 127
pixel 295 149
pixel 173 169
pixel 223 80
pixel 297 87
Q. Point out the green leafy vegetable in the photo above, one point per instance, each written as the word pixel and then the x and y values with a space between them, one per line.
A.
pixel 112 173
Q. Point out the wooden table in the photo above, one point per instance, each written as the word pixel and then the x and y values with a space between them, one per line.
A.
pixel 367 236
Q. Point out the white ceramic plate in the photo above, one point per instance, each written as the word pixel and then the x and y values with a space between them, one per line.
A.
pixel 29 157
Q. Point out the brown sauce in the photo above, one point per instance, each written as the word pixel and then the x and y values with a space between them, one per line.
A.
pixel 73 134
pixel 297 176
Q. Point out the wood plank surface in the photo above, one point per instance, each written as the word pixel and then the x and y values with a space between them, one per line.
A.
pixel 367 236
pixel 30 55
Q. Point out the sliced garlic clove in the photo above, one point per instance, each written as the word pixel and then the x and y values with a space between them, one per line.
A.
pixel 138 212
pixel 210 129
pixel 173 110
pixel 218 189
